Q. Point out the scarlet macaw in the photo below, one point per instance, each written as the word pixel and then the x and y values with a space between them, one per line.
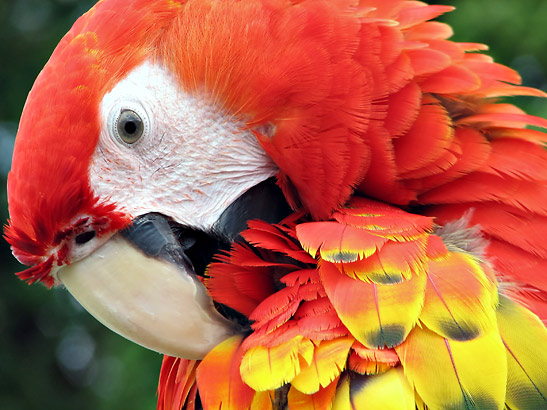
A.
pixel 313 204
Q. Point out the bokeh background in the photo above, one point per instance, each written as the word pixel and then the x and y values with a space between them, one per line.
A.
pixel 53 355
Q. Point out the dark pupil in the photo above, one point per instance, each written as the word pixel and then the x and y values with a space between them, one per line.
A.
pixel 84 237
pixel 130 127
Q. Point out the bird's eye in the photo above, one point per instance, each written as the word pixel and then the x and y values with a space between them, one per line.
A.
pixel 129 126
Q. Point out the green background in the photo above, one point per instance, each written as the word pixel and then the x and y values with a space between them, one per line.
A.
pixel 53 355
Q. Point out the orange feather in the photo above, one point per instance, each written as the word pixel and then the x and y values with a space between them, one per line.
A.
pixel 376 315
pixel 322 400
pixel 504 120
pixel 415 13
pixel 219 380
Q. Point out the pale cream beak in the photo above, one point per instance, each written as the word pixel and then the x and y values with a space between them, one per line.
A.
pixel 150 301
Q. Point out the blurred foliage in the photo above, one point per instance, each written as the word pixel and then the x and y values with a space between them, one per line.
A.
pixel 516 34
pixel 53 355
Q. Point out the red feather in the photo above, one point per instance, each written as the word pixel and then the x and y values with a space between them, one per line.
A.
pixel 176 387
pixel 426 61
pixel 524 195
pixel 412 16
pixel 519 228
pixel 427 140
pixel 49 188
pixel 404 107
pixel 530 163
pixel 475 151
pixel 434 30
pixel 518 266
pixel 504 120
pixel 441 165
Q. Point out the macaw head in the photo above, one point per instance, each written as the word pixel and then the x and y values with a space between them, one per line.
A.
pixel 151 137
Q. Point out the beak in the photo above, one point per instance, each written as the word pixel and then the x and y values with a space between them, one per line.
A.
pixel 141 285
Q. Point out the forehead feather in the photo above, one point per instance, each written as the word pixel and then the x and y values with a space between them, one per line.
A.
pixel 59 127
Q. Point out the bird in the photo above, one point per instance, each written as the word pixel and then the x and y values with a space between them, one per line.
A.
pixel 302 204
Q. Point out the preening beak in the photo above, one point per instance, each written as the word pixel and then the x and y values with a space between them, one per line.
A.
pixel 140 285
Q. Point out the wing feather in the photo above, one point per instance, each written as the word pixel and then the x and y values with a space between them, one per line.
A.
pixel 218 377
pixel 460 300
pixel 377 315
pixel 525 340
pixel 329 359
pixel 449 374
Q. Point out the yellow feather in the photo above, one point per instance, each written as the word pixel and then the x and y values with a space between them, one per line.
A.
pixel 420 405
pixel 329 360
pixel 525 339
pixel 387 391
pixel 341 399
pixel 451 374
pixel 268 368
pixel 460 300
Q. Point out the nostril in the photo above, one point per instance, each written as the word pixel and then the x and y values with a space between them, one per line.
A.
pixel 84 237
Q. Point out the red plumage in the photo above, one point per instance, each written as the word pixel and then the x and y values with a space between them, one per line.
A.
pixel 454 151
pixel 359 99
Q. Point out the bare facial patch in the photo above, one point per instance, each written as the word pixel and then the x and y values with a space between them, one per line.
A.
pixel 191 161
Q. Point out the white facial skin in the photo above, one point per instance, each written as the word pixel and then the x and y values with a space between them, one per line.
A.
pixel 191 162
